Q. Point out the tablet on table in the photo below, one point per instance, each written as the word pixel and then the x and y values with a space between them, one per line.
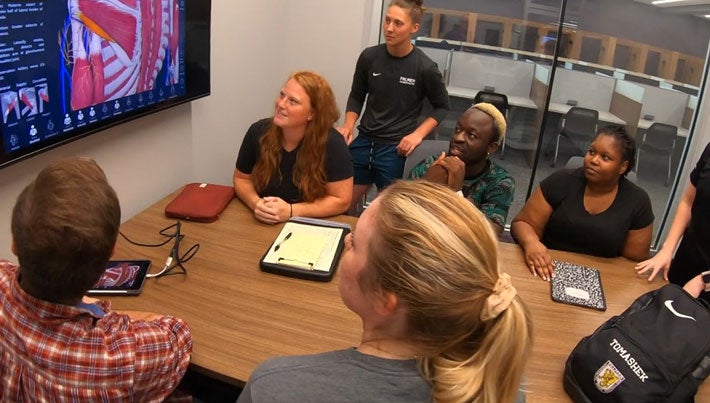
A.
pixel 122 277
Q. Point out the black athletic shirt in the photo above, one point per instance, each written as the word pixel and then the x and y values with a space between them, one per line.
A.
pixel 572 228
pixel 338 164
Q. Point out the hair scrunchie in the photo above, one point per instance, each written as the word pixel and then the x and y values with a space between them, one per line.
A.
pixel 500 299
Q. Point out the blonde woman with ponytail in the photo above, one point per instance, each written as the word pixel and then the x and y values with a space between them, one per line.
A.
pixel 440 321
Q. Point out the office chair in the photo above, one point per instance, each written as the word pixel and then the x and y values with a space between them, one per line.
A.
pixel 579 125
pixel 425 150
pixel 577 162
pixel 500 101
pixel 659 138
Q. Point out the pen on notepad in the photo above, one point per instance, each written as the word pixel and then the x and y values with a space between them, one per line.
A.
pixel 282 241
pixel 296 263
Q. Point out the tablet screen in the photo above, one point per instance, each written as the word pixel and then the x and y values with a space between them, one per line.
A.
pixel 122 277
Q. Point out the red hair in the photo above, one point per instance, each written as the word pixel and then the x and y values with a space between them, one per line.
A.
pixel 309 171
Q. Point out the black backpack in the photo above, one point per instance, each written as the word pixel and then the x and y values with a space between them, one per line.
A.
pixel 658 350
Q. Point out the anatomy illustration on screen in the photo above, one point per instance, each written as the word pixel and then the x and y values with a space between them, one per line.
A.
pixel 116 48
pixel 70 68
pixel 123 274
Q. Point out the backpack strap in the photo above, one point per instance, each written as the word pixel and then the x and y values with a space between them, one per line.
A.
pixel 690 384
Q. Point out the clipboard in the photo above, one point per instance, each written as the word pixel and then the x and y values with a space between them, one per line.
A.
pixel 577 285
pixel 306 248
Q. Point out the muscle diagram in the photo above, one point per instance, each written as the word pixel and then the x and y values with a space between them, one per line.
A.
pixel 115 48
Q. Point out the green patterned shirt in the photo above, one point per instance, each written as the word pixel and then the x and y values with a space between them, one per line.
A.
pixel 491 191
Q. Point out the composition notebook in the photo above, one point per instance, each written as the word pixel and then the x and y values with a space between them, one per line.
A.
pixel 577 285
pixel 307 248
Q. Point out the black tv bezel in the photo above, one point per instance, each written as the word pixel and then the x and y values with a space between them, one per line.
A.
pixel 197 85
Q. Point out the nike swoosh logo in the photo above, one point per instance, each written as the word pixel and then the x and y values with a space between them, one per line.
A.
pixel 669 305
pixel 376 74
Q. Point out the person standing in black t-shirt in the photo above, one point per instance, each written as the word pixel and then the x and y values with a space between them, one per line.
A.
pixel 692 223
pixel 391 81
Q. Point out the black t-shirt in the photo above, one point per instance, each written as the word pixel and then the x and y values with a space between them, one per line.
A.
pixel 338 163
pixel 572 228
pixel 395 89
pixel 700 210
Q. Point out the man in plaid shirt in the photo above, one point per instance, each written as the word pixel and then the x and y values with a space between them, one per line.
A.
pixel 55 343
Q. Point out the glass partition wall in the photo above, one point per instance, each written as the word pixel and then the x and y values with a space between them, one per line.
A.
pixel 581 63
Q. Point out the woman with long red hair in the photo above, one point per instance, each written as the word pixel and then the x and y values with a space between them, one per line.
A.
pixel 295 163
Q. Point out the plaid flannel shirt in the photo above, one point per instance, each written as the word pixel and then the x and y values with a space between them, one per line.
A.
pixel 55 352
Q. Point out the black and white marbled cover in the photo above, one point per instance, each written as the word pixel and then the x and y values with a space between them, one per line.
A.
pixel 577 285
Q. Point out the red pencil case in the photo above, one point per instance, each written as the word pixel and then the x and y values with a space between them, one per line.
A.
pixel 200 202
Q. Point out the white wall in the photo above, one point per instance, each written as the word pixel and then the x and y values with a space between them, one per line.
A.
pixel 255 44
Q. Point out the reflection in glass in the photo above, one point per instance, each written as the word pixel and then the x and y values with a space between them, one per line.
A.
pixel 635 74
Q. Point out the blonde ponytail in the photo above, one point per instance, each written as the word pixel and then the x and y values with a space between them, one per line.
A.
pixel 446 276
pixel 494 371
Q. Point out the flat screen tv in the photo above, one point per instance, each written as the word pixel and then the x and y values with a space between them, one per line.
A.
pixel 69 68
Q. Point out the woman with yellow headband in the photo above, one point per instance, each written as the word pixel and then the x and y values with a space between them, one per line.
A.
pixel 440 322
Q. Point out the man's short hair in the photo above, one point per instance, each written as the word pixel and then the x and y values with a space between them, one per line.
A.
pixel 64 228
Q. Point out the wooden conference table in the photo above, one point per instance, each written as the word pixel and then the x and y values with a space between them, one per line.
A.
pixel 241 316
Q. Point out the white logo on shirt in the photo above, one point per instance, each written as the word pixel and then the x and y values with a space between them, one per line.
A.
pixel 669 305
pixel 376 74
pixel 408 81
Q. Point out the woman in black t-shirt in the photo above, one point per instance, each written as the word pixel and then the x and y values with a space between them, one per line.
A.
pixel 593 210
pixel 295 163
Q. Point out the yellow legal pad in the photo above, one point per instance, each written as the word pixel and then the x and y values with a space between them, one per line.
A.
pixel 306 248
